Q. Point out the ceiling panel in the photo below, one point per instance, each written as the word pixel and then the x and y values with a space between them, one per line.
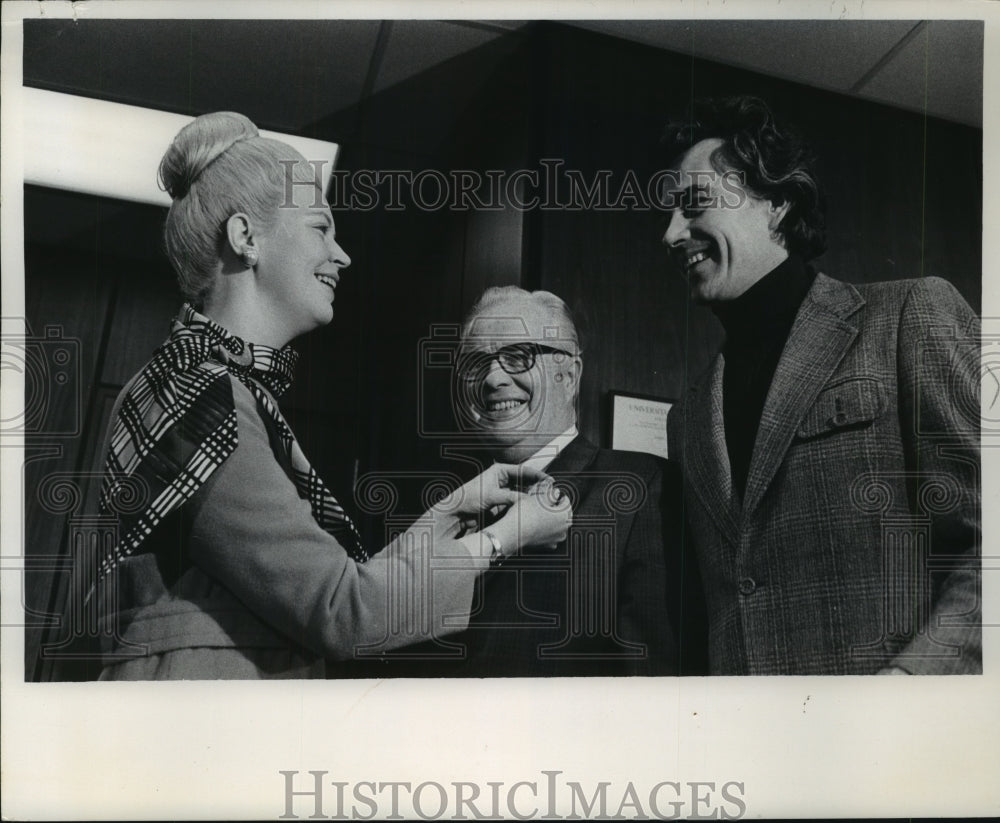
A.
pixel 827 54
pixel 416 45
pixel 435 76
pixel 508 24
pixel 283 74
pixel 289 75
pixel 836 54
pixel 944 61
pixel 297 71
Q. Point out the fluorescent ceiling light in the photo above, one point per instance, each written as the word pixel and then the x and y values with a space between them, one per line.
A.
pixel 110 149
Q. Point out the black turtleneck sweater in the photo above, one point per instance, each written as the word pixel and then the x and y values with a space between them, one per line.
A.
pixel 757 324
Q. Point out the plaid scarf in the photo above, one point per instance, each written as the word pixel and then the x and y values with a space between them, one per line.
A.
pixel 177 424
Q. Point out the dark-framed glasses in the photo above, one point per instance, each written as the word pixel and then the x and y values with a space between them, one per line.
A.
pixel 516 358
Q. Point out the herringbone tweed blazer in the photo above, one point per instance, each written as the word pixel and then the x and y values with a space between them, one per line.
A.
pixel 856 545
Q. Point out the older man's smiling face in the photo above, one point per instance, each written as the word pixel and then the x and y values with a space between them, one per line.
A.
pixel 518 411
pixel 720 235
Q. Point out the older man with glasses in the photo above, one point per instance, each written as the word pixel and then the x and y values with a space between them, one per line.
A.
pixel 602 602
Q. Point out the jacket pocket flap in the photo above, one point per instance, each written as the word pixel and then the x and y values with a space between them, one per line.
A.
pixel 849 403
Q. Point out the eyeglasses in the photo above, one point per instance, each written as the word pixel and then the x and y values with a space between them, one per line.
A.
pixel 516 358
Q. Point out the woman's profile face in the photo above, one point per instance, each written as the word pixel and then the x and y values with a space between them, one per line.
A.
pixel 300 262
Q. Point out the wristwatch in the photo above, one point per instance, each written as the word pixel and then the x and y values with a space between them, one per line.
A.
pixel 496 556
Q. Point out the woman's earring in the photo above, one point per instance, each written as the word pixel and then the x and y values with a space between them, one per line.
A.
pixel 250 256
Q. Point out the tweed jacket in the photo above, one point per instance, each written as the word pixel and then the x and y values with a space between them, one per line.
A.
pixel 601 602
pixel 856 545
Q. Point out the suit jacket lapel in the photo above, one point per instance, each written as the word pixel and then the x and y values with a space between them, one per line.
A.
pixel 707 459
pixel 569 469
pixel 818 341
pixel 574 458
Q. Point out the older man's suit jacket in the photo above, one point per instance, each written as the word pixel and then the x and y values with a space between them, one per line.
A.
pixel 856 545
pixel 608 600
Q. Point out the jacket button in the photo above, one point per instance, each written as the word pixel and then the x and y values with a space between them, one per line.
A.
pixel 747 586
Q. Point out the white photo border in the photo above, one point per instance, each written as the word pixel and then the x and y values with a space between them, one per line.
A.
pixel 830 746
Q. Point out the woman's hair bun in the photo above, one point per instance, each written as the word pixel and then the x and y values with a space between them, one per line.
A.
pixel 198 144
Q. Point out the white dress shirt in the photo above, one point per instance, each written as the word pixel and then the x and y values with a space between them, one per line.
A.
pixel 547 453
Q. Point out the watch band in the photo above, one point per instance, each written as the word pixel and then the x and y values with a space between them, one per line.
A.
pixel 496 556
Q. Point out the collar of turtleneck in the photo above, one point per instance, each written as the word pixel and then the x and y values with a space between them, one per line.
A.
pixel 768 308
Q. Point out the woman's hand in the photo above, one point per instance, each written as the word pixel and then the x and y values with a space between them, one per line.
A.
pixel 540 518
pixel 500 486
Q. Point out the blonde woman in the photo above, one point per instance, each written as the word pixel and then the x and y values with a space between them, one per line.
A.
pixel 238 562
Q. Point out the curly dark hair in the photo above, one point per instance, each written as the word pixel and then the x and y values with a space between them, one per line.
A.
pixel 775 163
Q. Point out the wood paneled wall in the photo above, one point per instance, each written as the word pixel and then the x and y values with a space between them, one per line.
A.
pixel 106 292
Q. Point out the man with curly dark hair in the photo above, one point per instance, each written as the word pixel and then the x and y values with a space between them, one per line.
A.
pixel 831 450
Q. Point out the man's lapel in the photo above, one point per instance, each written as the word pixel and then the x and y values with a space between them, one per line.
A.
pixel 819 339
pixel 578 454
pixel 707 460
